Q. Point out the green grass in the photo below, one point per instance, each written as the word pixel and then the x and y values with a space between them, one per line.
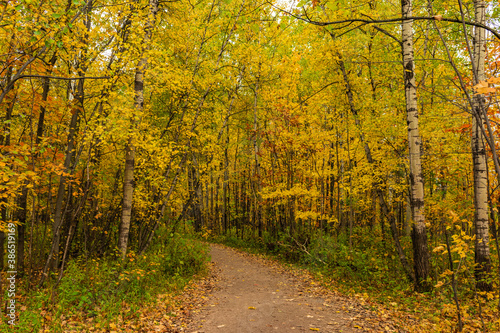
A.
pixel 99 291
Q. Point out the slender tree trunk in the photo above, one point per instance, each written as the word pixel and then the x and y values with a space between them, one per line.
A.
pixel 479 119
pixel 217 209
pixel 256 146
pixel 482 249
pixel 128 190
pixel 21 229
pixel 53 260
pixel 128 177
pixel 419 232
pixel 45 95
pixel 196 195
pixel 225 190
pixel 340 176
pixel 386 213
pixel 212 203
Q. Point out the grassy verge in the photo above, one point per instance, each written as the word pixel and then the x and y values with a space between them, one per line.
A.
pixel 106 294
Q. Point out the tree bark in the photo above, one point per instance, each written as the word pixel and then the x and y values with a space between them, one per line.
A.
pixel 419 232
pixel 53 260
pixel 256 146
pixel 225 190
pixel 128 191
pixel 482 249
pixel 21 229
pixel 45 95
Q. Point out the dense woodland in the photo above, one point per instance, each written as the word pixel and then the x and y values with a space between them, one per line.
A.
pixel 357 135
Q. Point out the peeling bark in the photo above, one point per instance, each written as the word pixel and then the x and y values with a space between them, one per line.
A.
pixel 482 249
pixel 419 230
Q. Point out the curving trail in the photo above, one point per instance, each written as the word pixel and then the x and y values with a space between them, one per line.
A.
pixel 252 295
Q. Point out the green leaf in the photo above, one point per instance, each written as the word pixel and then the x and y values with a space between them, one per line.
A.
pixel 49 42
pixel 331 5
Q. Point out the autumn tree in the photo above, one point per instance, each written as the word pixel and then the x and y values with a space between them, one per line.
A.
pixel 128 178
pixel 482 247
pixel 419 231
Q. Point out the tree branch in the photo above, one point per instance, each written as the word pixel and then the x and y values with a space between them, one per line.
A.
pixel 63 78
pixel 398 19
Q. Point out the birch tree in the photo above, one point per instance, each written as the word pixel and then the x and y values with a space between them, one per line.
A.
pixel 482 249
pixel 419 232
pixel 128 177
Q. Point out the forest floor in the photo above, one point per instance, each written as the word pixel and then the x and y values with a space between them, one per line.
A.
pixel 247 293
pixel 241 292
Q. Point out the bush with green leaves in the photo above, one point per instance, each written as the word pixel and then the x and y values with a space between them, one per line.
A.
pixel 105 288
pixel 183 257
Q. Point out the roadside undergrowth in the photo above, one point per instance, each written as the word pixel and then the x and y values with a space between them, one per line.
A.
pixel 141 293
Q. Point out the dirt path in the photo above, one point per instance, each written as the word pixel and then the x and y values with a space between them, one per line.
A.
pixel 253 295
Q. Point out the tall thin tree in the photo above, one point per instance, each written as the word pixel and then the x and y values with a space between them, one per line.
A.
pixel 482 248
pixel 128 178
pixel 419 232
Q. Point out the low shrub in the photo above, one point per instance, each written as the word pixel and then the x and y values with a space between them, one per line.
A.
pixel 183 257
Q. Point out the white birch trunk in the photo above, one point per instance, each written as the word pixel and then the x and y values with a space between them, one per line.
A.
pixel 419 232
pixel 482 249
pixel 128 176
